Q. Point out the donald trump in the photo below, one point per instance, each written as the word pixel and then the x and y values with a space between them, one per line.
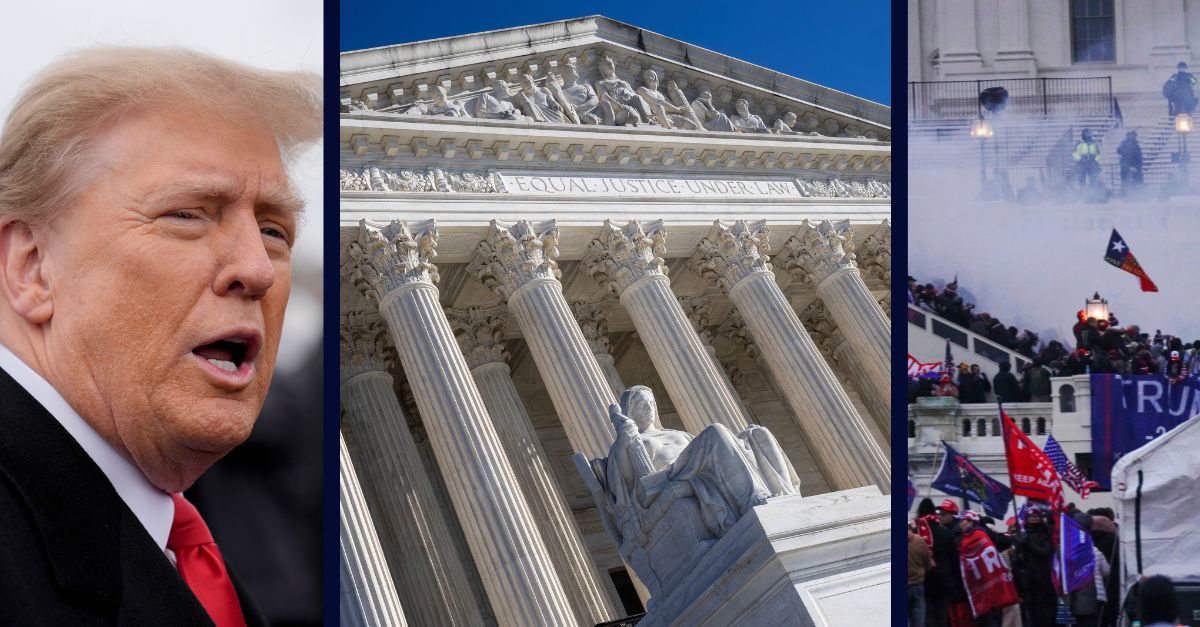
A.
pixel 146 227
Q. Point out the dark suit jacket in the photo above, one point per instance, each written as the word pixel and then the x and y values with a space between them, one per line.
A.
pixel 71 551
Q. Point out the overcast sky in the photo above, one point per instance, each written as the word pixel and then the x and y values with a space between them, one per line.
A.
pixel 276 34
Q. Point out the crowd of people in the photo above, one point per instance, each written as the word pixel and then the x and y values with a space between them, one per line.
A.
pixel 938 596
pixel 1099 347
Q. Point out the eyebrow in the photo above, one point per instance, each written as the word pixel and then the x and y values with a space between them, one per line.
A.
pixel 283 199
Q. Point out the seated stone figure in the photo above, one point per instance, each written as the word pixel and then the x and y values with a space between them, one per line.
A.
pixel 665 496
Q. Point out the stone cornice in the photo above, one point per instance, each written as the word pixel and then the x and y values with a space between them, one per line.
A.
pixel 394 74
pixel 485 144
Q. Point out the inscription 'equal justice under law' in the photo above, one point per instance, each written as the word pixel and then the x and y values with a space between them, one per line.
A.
pixel 606 185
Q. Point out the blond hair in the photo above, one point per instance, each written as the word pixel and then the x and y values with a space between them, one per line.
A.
pixel 45 143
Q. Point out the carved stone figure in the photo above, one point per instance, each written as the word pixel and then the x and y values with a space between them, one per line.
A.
pixel 662 111
pixel 744 121
pixel 356 105
pixel 580 96
pixel 620 104
pixel 495 105
pixel 665 497
pixel 713 118
pixel 442 104
pixel 539 103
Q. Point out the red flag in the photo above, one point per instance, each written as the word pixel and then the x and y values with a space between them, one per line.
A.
pixel 1030 471
pixel 1119 255
pixel 988 581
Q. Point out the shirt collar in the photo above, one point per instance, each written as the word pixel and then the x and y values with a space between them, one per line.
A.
pixel 153 507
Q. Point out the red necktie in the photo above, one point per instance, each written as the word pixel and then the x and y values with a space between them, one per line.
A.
pixel 201 566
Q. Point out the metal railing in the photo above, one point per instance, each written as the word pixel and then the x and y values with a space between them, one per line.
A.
pixel 959 100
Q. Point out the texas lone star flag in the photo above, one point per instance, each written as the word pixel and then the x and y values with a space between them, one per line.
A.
pixel 1030 471
pixel 1119 255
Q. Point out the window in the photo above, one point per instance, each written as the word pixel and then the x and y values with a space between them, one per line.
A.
pixel 1025 426
pixel 1041 426
pixel 981 427
pixel 995 426
pixel 1066 399
pixel 966 427
pixel 1092 31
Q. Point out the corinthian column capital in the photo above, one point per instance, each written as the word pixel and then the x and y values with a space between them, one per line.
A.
pixel 515 255
pixel 481 334
pixel 592 317
pixel 624 254
pixel 732 253
pixel 874 256
pixel 697 309
pixel 821 326
pixel 818 252
pixel 365 345
pixel 386 257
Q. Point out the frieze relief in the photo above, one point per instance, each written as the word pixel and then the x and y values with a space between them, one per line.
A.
pixel 592 90
pixel 376 179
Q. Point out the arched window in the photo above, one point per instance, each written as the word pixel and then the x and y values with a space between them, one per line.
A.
pixel 981 427
pixel 1041 426
pixel 1066 399
pixel 995 426
pixel 966 427
pixel 1025 426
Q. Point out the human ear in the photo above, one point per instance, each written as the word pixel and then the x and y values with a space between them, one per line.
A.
pixel 22 279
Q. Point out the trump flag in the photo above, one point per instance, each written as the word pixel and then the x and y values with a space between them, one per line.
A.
pixel 959 477
pixel 1119 255
pixel 1074 562
pixel 1030 471
pixel 988 581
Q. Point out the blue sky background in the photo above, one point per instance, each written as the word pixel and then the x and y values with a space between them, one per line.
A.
pixel 845 45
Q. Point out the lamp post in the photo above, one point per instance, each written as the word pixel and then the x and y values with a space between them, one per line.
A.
pixel 1183 126
pixel 1096 307
pixel 981 130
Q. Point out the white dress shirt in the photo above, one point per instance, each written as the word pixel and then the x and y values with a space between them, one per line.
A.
pixel 153 507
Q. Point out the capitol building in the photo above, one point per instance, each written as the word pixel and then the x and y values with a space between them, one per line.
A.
pixel 536 219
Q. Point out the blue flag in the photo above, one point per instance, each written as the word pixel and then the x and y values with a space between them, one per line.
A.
pixel 1130 410
pixel 1074 563
pixel 959 477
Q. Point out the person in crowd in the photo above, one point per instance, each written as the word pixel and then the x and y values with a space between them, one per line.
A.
pixel 973 385
pixel 1034 558
pixel 1005 385
pixel 1086 602
pixel 1087 159
pixel 970 529
pixel 943 583
pixel 920 560
pixel 946 387
pixel 1157 604
pixel 1130 154
pixel 1180 91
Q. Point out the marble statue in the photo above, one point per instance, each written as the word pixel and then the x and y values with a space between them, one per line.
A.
pixel 356 105
pixel 713 118
pixel 580 96
pixel 662 111
pixel 442 105
pixel 620 104
pixel 744 121
pixel 495 105
pixel 783 125
pixel 539 103
pixel 665 496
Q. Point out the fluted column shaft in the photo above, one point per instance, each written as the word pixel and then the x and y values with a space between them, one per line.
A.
pixel 847 453
pixel 578 573
pixel 427 570
pixel 394 263
pixel 693 379
pixel 513 562
pixel 866 329
pixel 368 594
pixel 879 409
pixel 608 366
pixel 849 456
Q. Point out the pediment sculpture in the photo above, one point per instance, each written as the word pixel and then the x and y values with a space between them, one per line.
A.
pixel 666 497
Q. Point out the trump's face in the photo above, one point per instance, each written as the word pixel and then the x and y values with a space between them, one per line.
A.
pixel 169 278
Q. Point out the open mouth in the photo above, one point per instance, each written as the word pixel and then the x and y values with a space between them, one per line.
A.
pixel 229 353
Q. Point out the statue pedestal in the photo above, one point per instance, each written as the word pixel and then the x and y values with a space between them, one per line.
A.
pixel 812 561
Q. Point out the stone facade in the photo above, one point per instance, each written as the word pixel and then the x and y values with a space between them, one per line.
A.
pixel 534 220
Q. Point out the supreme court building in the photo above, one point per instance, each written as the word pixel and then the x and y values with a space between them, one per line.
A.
pixel 533 220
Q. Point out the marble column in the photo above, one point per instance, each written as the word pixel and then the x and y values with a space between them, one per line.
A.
pixel 425 567
pixel 832 342
pixel 481 339
pixel 697 309
pixel 735 258
pixel 1170 43
pixel 1013 52
pixel 394 269
pixel 518 262
pixel 368 596
pixel 874 256
pixel 593 322
pixel 823 256
pixel 627 260
pixel 956 38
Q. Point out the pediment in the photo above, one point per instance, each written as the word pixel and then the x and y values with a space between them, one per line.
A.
pixel 456 78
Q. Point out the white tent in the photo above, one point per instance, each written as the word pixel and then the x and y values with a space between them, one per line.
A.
pixel 1156 495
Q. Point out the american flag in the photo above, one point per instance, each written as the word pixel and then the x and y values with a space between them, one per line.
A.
pixel 1069 473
